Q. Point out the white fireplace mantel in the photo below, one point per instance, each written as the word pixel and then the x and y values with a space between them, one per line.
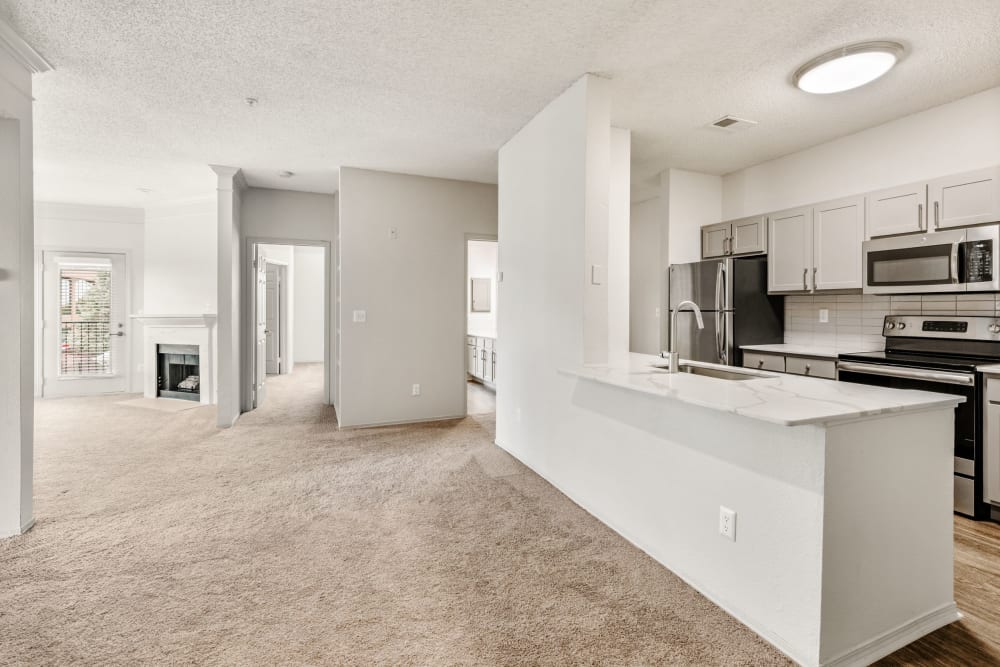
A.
pixel 183 329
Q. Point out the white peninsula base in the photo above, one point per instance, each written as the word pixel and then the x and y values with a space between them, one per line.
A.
pixel 843 549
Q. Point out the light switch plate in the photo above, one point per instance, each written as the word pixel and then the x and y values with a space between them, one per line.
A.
pixel 360 316
pixel 598 274
pixel 824 315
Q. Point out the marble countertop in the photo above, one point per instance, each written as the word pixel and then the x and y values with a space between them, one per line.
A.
pixel 789 400
pixel 803 350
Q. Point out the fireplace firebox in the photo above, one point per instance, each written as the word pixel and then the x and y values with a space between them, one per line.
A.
pixel 178 373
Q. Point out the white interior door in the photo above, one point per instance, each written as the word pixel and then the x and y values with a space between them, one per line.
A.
pixel 260 330
pixel 272 324
pixel 84 324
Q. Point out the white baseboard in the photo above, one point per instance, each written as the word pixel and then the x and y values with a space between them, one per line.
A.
pixel 21 531
pixel 893 640
pixel 404 422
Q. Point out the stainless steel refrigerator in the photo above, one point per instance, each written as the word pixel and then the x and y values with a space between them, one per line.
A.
pixel 737 310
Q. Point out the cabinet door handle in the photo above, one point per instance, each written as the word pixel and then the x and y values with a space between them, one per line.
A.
pixel 805 276
pixel 937 215
pixel 815 269
pixel 920 218
pixel 760 363
pixel 807 369
pixel 729 245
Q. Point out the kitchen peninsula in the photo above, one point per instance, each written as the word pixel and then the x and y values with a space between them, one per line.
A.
pixel 842 496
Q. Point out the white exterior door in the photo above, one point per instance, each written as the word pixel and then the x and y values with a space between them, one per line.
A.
pixel 272 323
pixel 84 324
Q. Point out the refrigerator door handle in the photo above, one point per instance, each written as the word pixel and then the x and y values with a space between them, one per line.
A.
pixel 720 286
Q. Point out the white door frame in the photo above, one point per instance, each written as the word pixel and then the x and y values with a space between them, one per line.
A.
pixel 248 317
pixel 39 255
pixel 465 304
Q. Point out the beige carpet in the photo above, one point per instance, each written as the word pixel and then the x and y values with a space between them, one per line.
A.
pixel 284 541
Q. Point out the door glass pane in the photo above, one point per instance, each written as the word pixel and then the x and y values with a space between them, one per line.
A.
pixel 84 320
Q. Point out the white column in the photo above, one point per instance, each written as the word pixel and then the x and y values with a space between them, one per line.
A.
pixel 229 390
pixel 17 63
pixel 619 213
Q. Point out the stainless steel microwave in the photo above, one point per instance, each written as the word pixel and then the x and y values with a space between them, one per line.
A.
pixel 956 260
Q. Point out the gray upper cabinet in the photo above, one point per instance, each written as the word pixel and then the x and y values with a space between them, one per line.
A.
pixel 746 236
pixel 898 210
pixel 964 199
pixel 790 250
pixel 838 231
pixel 715 240
pixel 749 235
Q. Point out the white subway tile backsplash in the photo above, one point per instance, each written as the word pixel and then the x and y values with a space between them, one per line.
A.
pixel 856 319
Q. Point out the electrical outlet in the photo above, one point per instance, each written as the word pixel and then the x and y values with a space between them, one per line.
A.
pixel 727 523
pixel 416 390
pixel 393 233
pixel 824 315
pixel 360 316
pixel 657 312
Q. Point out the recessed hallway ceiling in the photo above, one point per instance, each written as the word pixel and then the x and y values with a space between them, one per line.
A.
pixel 146 93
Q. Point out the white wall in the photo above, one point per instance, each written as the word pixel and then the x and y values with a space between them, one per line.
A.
pixel 16 296
pixel 955 137
pixel 231 186
pixel 284 215
pixel 181 258
pixel 482 264
pixel 412 289
pixel 645 276
pixel 309 303
pixel 693 200
pixel 97 229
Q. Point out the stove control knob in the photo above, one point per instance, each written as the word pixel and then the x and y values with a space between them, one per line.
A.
pixel 902 325
pixel 995 328
pixel 890 325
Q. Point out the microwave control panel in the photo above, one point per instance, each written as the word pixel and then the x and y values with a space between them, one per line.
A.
pixel 978 261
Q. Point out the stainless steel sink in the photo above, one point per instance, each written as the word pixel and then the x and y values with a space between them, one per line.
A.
pixel 718 373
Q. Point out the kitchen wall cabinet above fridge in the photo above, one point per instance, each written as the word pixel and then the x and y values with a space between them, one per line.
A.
pixel 959 200
pixel 746 236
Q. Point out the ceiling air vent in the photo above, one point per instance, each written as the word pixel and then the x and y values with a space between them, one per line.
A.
pixel 732 124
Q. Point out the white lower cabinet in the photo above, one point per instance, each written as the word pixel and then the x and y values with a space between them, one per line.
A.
pixel 482 358
pixel 991 442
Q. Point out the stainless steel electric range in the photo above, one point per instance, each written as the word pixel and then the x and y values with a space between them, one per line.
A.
pixel 940 354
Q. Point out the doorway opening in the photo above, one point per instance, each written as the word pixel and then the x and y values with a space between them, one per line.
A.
pixel 83 324
pixel 288 351
pixel 482 346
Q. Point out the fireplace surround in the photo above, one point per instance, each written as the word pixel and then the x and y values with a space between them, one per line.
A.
pixel 193 332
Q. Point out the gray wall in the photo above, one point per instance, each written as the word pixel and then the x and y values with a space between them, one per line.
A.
pixel 412 289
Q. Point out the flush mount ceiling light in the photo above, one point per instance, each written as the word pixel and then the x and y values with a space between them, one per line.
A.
pixel 251 101
pixel 286 174
pixel 848 67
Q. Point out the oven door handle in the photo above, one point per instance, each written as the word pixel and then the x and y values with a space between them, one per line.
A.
pixel 966 379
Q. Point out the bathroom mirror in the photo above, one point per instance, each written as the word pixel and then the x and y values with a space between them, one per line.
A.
pixel 481 295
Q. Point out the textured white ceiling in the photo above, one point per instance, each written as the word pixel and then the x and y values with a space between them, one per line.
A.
pixel 147 92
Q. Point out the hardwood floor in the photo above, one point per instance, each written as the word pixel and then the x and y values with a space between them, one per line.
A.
pixel 975 640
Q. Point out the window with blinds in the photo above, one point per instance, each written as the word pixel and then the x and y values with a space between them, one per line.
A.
pixel 84 321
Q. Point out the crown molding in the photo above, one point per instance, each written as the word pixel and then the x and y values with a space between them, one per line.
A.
pixel 30 59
